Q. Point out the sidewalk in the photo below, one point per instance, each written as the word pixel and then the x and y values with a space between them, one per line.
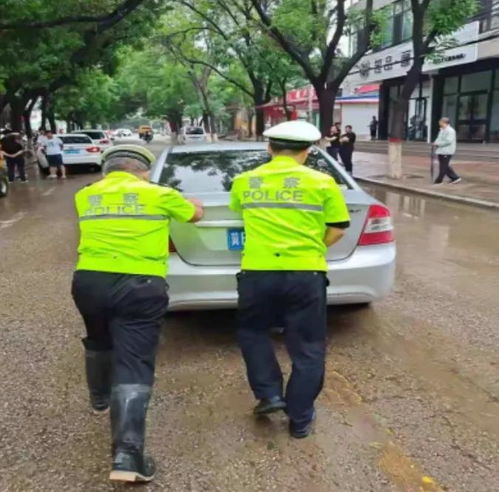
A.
pixel 480 184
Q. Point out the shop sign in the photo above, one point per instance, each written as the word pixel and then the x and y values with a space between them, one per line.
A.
pixel 396 61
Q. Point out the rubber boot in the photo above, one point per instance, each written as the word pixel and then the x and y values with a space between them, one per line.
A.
pixel 98 365
pixel 128 424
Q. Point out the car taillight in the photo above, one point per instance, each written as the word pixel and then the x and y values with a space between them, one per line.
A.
pixel 93 149
pixel 378 228
pixel 171 247
pixel 104 141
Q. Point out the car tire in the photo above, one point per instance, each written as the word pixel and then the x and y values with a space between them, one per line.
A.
pixel 4 187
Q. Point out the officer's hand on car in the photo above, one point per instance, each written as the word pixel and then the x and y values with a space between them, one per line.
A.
pixel 198 215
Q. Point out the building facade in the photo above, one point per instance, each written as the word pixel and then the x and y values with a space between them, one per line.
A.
pixel 462 83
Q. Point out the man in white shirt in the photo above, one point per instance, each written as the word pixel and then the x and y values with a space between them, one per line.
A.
pixel 445 148
pixel 53 149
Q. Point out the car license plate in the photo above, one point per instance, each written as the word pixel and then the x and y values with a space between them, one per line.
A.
pixel 72 151
pixel 235 239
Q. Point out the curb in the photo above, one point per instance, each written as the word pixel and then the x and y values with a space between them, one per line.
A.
pixel 434 194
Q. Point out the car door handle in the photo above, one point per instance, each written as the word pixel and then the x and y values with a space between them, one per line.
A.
pixel 219 223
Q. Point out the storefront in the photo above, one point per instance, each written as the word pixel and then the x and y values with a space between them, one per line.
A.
pixel 418 118
pixel 469 96
pixel 467 101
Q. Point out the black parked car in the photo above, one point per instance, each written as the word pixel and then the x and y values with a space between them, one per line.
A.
pixel 4 182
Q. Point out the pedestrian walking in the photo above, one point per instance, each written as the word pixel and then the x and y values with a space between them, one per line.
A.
pixel 54 146
pixel 13 150
pixel 373 128
pixel 291 215
pixel 347 141
pixel 334 141
pixel 445 148
pixel 120 290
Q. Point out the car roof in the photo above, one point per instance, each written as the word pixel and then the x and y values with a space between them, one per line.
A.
pixel 218 147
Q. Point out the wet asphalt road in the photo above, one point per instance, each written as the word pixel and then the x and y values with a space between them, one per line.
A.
pixel 411 400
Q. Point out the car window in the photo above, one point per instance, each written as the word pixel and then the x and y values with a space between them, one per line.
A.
pixel 214 171
pixel 75 139
pixel 194 130
pixel 94 135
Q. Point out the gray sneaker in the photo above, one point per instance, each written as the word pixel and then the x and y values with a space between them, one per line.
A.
pixel 455 181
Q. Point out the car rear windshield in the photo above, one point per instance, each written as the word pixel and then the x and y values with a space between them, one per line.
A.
pixel 95 135
pixel 214 171
pixel 194 130
pixel 76 139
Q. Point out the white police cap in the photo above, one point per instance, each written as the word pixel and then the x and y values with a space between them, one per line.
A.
pixel 294 131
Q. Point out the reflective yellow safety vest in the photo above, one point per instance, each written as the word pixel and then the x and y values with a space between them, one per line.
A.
pixel 286 208
pixel 124 224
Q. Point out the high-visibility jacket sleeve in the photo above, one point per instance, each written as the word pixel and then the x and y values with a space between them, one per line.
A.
pixel 335 207
pixel 176 206
pixel 235 202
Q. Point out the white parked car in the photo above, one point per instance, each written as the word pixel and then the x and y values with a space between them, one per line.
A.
pixel 99 138
pixel 124 133
pixel 80 149
pixel 192 134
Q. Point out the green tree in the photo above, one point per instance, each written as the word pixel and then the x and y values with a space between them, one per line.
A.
pixel 232 45
pixel 50 13
pixel 432 21
pixel 36 63
pixel 155 85
pixel 91 100
pixel 311 33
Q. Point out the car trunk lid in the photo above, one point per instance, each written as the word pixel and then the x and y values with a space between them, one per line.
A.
pixel 214 240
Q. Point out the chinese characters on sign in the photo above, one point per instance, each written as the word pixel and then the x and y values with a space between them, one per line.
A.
pixel 386 64
pixel 405 59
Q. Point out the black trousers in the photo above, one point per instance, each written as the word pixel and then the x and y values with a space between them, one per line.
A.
pixel 299 298
pixel 446 169
pixel 123 313
pixel 14 163
pixel 333 152
pixel 346 158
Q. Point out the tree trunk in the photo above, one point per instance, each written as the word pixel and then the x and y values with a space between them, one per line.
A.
pixel 208 118
pixel 327 97
pixel 287 111
pixel 44 111
pixel 27 118
pixel 51 119
pixel 397 122
pixel 259 99
pixel 16 113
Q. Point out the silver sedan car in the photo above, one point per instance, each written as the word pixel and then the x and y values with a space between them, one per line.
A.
pixel 205 257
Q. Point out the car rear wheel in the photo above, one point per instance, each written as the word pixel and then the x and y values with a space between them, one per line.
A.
pixel 4 187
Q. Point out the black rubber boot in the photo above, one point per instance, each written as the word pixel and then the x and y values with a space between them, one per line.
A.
pixel 98 365
pixel 128 423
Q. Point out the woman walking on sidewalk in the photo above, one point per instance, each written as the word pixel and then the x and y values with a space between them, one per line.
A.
pixel 445 148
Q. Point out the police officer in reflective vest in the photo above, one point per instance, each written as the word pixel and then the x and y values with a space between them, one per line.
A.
pixel 120 290
pixel 291 214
